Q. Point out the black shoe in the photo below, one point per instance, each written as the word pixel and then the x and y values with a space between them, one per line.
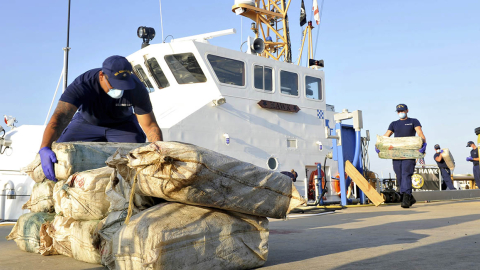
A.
pixel 412 200
pixel 406 200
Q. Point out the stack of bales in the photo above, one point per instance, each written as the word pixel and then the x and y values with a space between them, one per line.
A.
pixel 64 214
pixel 168 205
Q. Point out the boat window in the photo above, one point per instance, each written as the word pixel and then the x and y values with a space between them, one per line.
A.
pixel 313 88
pixel 228 71
pixel 138 70
pixel 263 78
pixel 289 83
pixel 272 163
pixel 157 73
pixel 185 68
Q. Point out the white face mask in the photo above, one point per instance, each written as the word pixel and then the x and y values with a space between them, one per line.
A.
pixel 438 150
pixel 402 115
pixel 115 93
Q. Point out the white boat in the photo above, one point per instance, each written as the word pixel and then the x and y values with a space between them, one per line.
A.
pixel 267 112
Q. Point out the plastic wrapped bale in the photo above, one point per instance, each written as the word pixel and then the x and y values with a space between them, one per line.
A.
pixel 82 197
pixel 103 236
pixel 119 188
pixel 41 199
pixel 400 147
pixel 81 241
pixel 447 156
pixel 194 175
pixel 26 232
pixel 76 157
pixel 179 236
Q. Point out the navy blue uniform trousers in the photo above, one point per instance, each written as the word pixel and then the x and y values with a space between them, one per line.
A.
pixel 79 130
pixel 476 175
pixel 447 178
pixel 404 170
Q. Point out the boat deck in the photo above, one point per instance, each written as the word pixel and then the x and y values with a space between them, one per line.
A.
pixel 436 235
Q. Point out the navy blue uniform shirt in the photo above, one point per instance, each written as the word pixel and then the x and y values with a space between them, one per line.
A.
pixel 474 154
pixel 98 108
pixel 404 128
pixel 442 163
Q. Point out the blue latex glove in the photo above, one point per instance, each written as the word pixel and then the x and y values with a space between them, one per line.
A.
pixel 48 157
pixel 376 150
pixel 422 150
pixel 441 151
pixel 469 158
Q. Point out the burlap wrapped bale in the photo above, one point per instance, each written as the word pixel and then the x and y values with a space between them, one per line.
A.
pixel 26 232
pixel 59 231
pixel 103 236
pixel 81 241
pixel 194 175
pixel 82 196
pixel 72 238
pixel 178 236
pixel 119 188
pixel 400 147
pixel 41 199
pixel 448 157
pixel 75 157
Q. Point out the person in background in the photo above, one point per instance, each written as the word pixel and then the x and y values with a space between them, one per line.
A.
pixel 107 104
pixel 404 168
pixel 474 159
pixel 446 174
pixel 292 174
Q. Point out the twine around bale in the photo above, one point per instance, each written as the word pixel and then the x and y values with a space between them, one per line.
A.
pixel 169 161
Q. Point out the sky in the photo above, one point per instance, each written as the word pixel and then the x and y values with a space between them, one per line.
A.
pixel 377 54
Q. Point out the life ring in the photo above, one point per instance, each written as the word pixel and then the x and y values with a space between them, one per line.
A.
pixel 311 184
pixel 337 188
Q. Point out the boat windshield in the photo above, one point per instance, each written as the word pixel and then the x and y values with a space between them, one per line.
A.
pixel 313 88
pixel 185 68
pixel 228 71
pixel 157 73
pixel 138 70
pixel 289 83
pixel 263 78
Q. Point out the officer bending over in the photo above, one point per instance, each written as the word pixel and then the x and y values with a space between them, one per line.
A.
pixel 108 104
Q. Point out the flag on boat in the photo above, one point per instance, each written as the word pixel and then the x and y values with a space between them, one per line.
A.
pixel 316 13
pixel 303 15
pixel 422 162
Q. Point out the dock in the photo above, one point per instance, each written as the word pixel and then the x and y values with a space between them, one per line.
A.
pixel 434 235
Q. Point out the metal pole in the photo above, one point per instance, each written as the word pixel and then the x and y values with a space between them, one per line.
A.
pixel 161 17
pixel 66 49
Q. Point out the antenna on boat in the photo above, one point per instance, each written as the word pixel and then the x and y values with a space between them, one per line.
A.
pixel 270 19
pixel 64 73
pixel 66 50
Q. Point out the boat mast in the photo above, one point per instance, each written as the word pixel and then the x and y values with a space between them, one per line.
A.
pixel 270 19
pixel 66 50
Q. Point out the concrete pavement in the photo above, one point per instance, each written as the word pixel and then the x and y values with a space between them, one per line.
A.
pixel 438 235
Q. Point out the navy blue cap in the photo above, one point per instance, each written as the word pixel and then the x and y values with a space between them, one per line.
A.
pixel 119 72
pixel 469 143
pixel 436 146
pixel 401 107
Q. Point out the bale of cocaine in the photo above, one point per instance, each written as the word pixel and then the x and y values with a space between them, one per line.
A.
pixel 400 147
pixel 447 156
pixel 75 157
pixel 119 188
pixel 179 236
pixel 41 199
pixel 194 175
pixel 82 196
pixel 26 232
pixel 71 238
